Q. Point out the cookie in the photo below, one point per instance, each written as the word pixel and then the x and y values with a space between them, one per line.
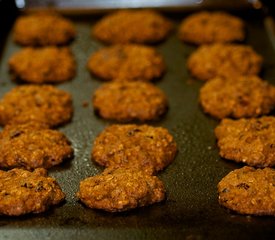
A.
pixel 135 146
pixel 23 192
pixel 238 97
pixel 43 65
pixel 32 146
pixel 224 60
pixel 132 26
pixel 120 190
pixel 44 102
pixel 249 191
pixel 132 62
pixel 250 141
pixel 128 101
pixel 43 29
pixel 211 27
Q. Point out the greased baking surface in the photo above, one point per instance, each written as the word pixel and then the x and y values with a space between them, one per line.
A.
pixel 191 208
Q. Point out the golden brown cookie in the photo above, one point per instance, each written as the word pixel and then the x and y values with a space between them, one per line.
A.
pixel 251 141
pixel 131 62
pixel 238 97
pixel 42 29
pixel 33 145
pixel 249 191
pixel 132 26
pixel 36 102
pixel 120 190
pixel 211 27
pixel 135 146
pixel 23 192
pixel 43 65
pixel 128 101
pixel 224 60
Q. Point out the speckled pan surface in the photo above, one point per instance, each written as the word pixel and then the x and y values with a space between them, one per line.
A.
pixel 191 210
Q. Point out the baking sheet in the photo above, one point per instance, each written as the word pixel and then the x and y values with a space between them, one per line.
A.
pixel 191 210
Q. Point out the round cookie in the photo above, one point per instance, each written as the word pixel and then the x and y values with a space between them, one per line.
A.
pixel 249 191
pixel 211 27
pixel 132 26
pixel 224 60
pixel 43 65
pixel 250 141
pixel 132 62
pixel 43 29
pixel 23 192
pixel 120 190
pixel 128 101
pixel 52 105
pixel 135 146
pixel 238 97
pixel 33 145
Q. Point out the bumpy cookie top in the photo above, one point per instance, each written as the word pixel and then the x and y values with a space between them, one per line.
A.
pixel 130 62
pixel 23 192
pixel 211 27
pixel 36 102
pixel 42 29
pixel 249 191
pixel 128 101
pixel 120 189
pixel 224 60
pixel 132 26
pixel 242 96
pixel 138 146
pixel 43 65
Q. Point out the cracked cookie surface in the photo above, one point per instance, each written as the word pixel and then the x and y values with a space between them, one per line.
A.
pixel 238 97
pixel 117 190
pixel 130 62
pixel 143 147
pixel 249 191
pixel 23 192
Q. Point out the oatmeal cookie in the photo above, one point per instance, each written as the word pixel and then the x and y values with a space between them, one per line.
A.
pixel 251 141
pixel 43 29
pixel 132 26
pixel 43 65
pixel 135 146
pixel 128 101
pixel 224 60
pixel 238 97
pixel 132 62
pixel 23 192
pixel 33 145
pixel 249 191
pixel 53 106
pixel 120 190
pixel 211 27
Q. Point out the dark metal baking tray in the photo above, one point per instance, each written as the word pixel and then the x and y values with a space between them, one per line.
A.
pixel 191 210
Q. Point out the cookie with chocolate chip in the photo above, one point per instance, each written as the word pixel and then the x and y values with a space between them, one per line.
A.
pixel 224 60
pixel 23 192
pixel 143 147
pixel 250 141
pixel 131 62
pixel 45 103
pixel 117 190
pixel 132 26
pixel 249 191
pixel 32 145
pixel 43 65
pixel 211 27
pixel 237 97
pixel 43 29
pixel 128 101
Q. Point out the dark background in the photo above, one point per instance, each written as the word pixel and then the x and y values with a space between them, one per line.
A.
pixel 191 210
